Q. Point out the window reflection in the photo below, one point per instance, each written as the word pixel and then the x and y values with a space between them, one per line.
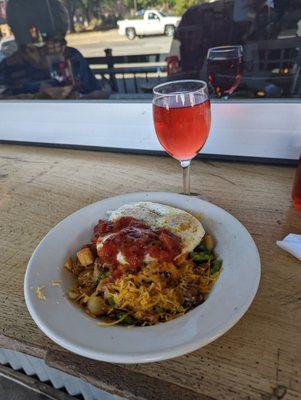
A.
pixel 269 32
pixel 73 49
pixel 43 66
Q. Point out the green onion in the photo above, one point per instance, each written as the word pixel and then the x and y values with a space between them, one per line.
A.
pixel 103 275
pixel 159 309
pixel 111 301
pixel 199 258
pixel 216 266
pixel 125 318
pixel 201 247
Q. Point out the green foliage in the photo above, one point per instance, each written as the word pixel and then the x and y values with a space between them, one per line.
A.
pixel 93 11
pixel 78 27
pixel 146 4
pixel 182 5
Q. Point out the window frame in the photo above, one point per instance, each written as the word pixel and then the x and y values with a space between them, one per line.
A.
pixel 264 130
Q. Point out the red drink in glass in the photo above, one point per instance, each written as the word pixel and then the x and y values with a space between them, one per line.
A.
pixel 182 131
pixel 181 112
pixel 297 188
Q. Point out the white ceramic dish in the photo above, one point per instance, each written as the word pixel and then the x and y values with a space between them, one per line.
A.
pixel 70 327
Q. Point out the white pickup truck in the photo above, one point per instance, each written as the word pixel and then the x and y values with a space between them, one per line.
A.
pixel 153 23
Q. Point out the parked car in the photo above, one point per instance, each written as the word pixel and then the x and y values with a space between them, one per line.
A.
pixel 152 22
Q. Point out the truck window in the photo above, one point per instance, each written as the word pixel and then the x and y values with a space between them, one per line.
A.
pixel 153 16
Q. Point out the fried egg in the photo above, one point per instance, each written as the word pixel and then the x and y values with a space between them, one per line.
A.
pixel 179 222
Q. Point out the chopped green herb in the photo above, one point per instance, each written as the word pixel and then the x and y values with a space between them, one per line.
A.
pixel 103 275
pixel 201 247
pixel 111 301
pixel 216 266
pixel 201 257
pixel 126 319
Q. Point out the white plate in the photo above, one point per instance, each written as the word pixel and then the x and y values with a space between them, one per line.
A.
pixel 70 327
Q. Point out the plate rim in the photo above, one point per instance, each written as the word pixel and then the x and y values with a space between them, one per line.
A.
pixel 149 356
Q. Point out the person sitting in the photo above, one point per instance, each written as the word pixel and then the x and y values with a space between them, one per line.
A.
pixel 43 65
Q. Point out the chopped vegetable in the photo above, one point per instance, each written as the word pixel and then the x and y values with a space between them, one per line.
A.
pixel 99 274
pixel 209 241
pixel 216 266
pixel 200 258
pixel 85 256
pixel 125 319
pixel 73 294
pixel 201 247
pixel 69 264
pixel 96 305
pixel 111 301
pixel 103 275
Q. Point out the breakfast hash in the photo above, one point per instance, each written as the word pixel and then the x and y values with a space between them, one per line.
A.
pixel 148 263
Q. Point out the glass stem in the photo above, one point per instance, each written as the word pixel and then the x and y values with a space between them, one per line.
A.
pixel 186 176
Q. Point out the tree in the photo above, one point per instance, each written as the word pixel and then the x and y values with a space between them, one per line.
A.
pixel 86 6
pixel 182 5
pixel 144 4
pixel 71 8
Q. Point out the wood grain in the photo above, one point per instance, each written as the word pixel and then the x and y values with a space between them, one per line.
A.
pixel 259 358
pixel 119 380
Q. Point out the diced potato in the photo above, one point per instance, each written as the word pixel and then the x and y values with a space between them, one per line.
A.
pixel 96 305
pixel 73 294
pixel 85 256
pixel 209 241
pixel 69 264
pixel 85 299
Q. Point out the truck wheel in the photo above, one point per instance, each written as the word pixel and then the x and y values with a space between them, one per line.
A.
pixel 169 30
pixel 130 33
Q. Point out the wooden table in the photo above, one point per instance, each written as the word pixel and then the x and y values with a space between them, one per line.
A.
pixel 257 359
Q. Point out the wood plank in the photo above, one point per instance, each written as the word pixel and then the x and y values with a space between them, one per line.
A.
pixel 120 381
pixel 257 359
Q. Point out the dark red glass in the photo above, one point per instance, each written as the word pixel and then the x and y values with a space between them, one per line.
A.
pixel 224 75
pixel 224 68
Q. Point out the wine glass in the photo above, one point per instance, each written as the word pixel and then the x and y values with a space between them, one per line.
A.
pixel 224 67
pixel 182 118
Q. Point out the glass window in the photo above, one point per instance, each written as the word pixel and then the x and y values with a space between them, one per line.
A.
pixel 89 49
pixel 153 16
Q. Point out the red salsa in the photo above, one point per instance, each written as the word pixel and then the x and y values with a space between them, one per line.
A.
pixel 134 239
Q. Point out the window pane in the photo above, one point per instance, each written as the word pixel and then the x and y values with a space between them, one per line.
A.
pixel 92 49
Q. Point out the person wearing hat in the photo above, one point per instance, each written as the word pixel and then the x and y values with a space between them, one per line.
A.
pixel 44 66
